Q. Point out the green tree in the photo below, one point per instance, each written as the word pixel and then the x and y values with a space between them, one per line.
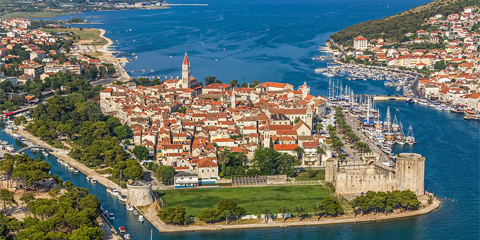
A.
pixel 310 172
pixel 175 215
pixel 265 212
pixel 209 80
pixel 209 215
pixel 182 109
pixel 19 100
pixel 332 206
pixel 299 209
pixel 283 210
pixel 440 65
pixel 140 152
pixel 84 232
pixel 122 132
pixel 255 83
pixel 233 83
pixel 20 120
pixel 317 207
pixel 7 197
pixel 166 173
pixel 354 203
pixel 297 119
pixel 54 192
pixel 299 151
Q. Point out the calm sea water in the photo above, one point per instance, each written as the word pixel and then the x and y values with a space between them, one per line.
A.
pixel 276 41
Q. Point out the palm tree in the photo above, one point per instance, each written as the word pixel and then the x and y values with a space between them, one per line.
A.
pixel 283 210
pixel 319 127
pixel 354 203
pixel 338 145
pixel 223 157
pixel 331 129
pixel 317 207
pixel 299 209
pixel 266 211
pixel 299 150
pixel 227 214
pixel 320 152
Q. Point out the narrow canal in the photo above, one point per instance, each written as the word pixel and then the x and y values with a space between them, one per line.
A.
pixel 136 229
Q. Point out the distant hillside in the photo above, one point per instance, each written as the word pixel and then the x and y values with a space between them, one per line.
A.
pixel 396 26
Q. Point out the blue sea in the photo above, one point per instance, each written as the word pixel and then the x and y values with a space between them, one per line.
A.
pixel 276 41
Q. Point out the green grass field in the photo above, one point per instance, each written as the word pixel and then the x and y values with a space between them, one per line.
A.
pixel 318 175
pixel 253 199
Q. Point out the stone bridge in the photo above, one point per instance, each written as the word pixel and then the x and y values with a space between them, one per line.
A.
pixel 34 146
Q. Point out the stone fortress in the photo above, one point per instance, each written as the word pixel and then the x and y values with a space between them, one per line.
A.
pixel 353 178
pixel 139 193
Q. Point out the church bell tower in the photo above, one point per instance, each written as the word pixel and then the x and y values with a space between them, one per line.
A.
pixel 185 83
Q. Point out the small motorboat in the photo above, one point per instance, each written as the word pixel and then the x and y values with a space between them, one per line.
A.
pixel 105 213
pixel 93 180
pixel 127 236
pixel 122 198
pixel 135 212
pixel 88 178
pixel 141 218
pixel 110 216
pixel 75 170
pixel 3 142
pixel 121 229
pixel 130 208
pixel 115 192
pixel 101 208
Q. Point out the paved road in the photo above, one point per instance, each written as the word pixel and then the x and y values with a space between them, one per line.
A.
pixel 104 81
pixel 355 125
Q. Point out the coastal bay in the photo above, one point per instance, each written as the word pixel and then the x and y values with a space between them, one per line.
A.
pixel 447 144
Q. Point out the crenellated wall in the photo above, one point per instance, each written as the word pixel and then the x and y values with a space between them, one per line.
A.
pixel 371 175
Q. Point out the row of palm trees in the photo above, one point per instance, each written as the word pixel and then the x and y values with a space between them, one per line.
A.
pixel 319 209
pixel 349 133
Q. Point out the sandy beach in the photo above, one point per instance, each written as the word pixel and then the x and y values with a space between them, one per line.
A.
pixel 109 58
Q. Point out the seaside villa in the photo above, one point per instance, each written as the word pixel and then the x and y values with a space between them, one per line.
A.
pixel 360 42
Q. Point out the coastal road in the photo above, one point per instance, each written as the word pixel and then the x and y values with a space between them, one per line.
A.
pixel 104 81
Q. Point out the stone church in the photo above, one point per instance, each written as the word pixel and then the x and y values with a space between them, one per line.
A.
pixel 353 178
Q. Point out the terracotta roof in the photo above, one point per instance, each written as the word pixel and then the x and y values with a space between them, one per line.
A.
pixel 185 60
pixel 360 38
pixel 284 147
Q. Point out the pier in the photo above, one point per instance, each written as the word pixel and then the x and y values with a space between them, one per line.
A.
pixel 388 98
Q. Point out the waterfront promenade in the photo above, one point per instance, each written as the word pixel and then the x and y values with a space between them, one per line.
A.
pixel 62 154
pixel 151 215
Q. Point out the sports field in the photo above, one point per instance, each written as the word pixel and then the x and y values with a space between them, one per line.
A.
pixel 251 198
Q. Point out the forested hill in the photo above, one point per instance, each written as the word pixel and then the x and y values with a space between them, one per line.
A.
pixel 396 26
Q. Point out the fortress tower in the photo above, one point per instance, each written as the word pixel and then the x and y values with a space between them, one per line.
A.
pixel 410 172
pixel 139 193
